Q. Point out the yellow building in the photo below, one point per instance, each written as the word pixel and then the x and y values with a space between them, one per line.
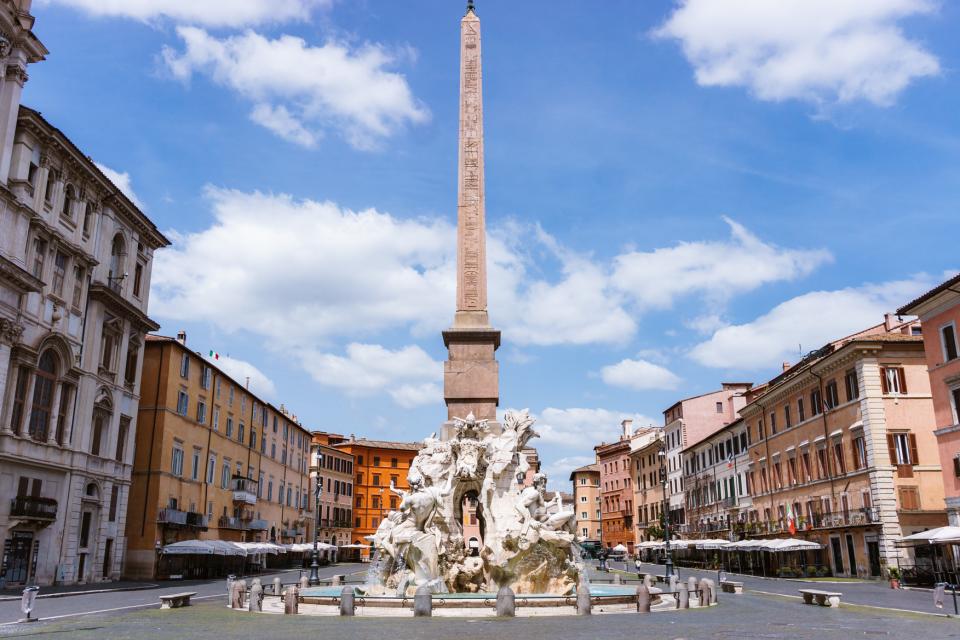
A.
pixel 212 461
pixel 645 464
pixel 377 464
pixel 586 502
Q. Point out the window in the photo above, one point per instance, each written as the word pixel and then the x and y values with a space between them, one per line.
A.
pixel 852 385
pixel 109 345
pixel 205 377
pixel 833 397
pixel 816 403
pixel 69 196
pixel 838 456
pixel 719 407
pixel 903 448
pixel 859 453
pixel 137 279
pixel 225 474
pixel 909 498
pixel 51 182
pixel 116 275
pixel 948 337
pixel 78 275
pixel 43 388
pixel 376 461
pixel 201 411
pixel 87 218
pixel 800 415
pixel 63 413
pixel 39 254
pixel 176 464
pixel 376 479
pixel 229 426
pixel 185 365
pixel 133 357
pixel 253 438
pixel 786 417
pixel 59 273
pixel 240 431
pixel 955 396
pixel 211 468
pixel 183 402
pixel 773 423
pixel 892 380
pixel 393 462
pixel 114 499
pixel 805 459
pixel 122 438
pixel 822 463
pixel 195 471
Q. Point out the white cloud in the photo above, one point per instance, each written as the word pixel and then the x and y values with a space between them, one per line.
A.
pixel 576 427
pixel 815 50
pixel 214 13
pixel 409 375
pixel 240 370
pixel 639 375
pixel 297 88
pixel 803 324
pixel 121 181
pixel 715 269
pixel 558 471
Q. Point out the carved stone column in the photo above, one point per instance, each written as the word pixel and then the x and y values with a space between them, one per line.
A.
pixel 10 333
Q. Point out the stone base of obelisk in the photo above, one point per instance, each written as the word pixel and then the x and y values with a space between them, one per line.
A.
pixel 471 375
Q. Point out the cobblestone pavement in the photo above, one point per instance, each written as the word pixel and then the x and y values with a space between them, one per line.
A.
pixel 127 600
pixel 746 616
pixel 875 593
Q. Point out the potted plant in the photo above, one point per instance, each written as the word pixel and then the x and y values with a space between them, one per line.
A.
pixel 894 573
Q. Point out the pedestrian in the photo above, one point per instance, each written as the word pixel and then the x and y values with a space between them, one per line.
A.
pixel 636 564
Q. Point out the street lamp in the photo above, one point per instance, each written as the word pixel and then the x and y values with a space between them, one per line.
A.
pixel 662 454
pixel 314 579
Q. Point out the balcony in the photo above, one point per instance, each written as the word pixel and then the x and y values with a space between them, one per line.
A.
pixel 244 490
pixel 833 520
pixel 333 523
pixel 243 523
pixel 34 508
pixel 293 533
pixel 186 519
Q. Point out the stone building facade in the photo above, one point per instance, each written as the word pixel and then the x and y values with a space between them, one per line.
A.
pixel 647 464
pixel 335 467
pixel 616 491
pixel 75 263
pixel 844 442
pixel 939 311
pixel 586 502
pixel 213 461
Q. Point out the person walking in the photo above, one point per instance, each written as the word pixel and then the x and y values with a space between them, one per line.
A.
pixel 636 564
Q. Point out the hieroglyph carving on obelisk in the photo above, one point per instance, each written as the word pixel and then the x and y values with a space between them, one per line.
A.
pixel 471 226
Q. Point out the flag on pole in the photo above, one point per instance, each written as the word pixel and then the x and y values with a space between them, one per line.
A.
pixel 214 355
pixel 791 520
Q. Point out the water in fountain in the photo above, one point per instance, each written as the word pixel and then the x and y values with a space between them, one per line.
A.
pixel 376 570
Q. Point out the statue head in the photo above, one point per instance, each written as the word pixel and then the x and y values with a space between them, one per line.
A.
pixel 540 481
pixel 414 479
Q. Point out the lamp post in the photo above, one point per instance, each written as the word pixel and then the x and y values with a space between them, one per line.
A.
pixel 314 579
pixel 668 565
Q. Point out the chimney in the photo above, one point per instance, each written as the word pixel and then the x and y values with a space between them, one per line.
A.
pixel 182 337
pixel 785 366
pixel 626 424
pixel 889 321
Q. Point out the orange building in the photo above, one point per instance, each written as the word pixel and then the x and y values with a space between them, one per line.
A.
pixel 377 464
pixel 616 491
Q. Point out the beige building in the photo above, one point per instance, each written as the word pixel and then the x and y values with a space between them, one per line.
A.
pixel 335 518
pixel 586 502
pixel 75 264
pixel 213 462
pixel 844 442
pixel 646 464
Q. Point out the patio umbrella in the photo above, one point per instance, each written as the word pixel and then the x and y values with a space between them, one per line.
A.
pixel 940 535
pixel 188 547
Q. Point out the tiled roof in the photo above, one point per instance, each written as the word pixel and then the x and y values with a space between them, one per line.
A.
pixel 382 444
pixel 905 309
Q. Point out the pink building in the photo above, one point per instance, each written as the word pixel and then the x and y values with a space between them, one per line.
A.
pixel 939 313
pixel 616 491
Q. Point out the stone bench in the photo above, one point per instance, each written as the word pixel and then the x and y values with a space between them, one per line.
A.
pixel 729 586
pixel 823 598
pixel 176 600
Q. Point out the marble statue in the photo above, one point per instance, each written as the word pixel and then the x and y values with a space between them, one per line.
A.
pixel 528 542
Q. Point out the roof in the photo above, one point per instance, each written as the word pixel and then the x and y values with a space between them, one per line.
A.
pixel 139 217
pixel 724 386
pixel 908 309
pixel 587 468
pixel 699 442
pixel 382 444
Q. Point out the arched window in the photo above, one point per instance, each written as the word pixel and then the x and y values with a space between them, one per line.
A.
pixel 133 356
pixel 69 196
pixel 117 252
pixel 43 387
pixel 102 414
pixel 87 218
pixel 92 490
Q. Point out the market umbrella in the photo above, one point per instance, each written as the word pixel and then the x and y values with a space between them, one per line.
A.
pixel 940 535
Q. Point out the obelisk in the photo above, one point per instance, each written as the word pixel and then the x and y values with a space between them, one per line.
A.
pixel 471 372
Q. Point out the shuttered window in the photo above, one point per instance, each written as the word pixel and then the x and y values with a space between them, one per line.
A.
pixel 893 380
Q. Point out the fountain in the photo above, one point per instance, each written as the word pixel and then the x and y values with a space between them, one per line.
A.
pixel 528 543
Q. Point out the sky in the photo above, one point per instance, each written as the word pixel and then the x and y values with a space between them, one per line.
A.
pixel 679 193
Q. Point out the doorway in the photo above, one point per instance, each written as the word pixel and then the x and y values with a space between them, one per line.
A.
pixel 17 558
pixel 837 550
pixel 851 554
pixel 873 555
pixel 107 557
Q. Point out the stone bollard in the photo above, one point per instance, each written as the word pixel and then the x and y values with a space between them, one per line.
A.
pixel 506 603
pixel 304 582
pixel 291 600
pixel 584 604
pixel 617 578
pixel 230 580
pixel 423 602
pixel 648 580
pixel 643 599
pixel 239 593
pixel 683 599
pixel 277 586
pixel 704 593
pixel 713 592
pixel 256 597
pixel 336 581
pixel 672 583
pixel 348 603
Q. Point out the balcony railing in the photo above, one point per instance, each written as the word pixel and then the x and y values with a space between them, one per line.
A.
pixel 182 518
pixel 331 522
pixel 242 523
pixel 851 518
pixel 34 508
pixel 244 489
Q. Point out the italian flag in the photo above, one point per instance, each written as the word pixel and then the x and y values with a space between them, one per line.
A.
pixel 791 520
pixel 214 355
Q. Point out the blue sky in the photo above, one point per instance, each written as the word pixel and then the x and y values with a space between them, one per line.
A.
pixel 678 194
